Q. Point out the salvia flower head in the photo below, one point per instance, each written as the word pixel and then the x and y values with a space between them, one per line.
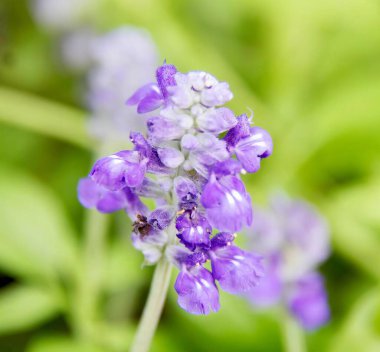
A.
pixel 294 239
pixel 193 174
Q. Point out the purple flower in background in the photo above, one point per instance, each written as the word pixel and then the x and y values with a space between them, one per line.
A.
pixel 294 239
pixel 114 64
pixel 191 173
pixel 115 73
pixel 307 300
pixel 60 15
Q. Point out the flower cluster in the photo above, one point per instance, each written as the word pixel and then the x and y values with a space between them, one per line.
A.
pixel 193 174
pixel 294 240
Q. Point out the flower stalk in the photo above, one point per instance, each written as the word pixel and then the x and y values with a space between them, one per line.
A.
pixel 153 307
pixel 293 336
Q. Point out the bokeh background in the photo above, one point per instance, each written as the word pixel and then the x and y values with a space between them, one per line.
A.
pixel 310 70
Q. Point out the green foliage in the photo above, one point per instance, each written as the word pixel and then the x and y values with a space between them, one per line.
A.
pixel 38 242
pixel 25 306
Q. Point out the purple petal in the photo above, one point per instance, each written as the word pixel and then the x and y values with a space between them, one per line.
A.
pixel 147 98
pixel 155 165
pixel 93 195
pixel 134 205
pixel 88 192
pixel 197 292
pixel 149 104
pixel 163 129
pixel 170 157
pixel 251 149
pixel 227 203
pixel 193 228
pixel 165 78
pixel 217 95
pixel 227 167
pixel 269 290
pixel 241 130
pixel 217 120
pixel 112 201
pixel 161 217
pixel 118 170
pixel 236 270
pixel 151 245
pixel 209 151
pixel 308 302
pixel 150 89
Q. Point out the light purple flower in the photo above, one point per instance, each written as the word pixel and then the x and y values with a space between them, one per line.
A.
pixel 308 302
pixel 197 292
pixel 296 231
pixel 204 150
pixel 217 95
pixel 93 195
pixel 193 228
pixel 216 120
pixel 250 144
pixel 60 15
pixel 227 203
pixel 294 239
pixel 125 168
pixel 147 98
pixel 236 270
pixel 270 289
pixel 149 235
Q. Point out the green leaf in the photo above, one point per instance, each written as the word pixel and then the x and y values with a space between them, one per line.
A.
pixel 359 331
pixel 61 344
pixel 37 240
pixel 23 307
pixel 43 116
pixel 352 214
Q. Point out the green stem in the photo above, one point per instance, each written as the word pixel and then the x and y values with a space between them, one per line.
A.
pixel 153 307
pixel 293 336
pixel 42 116
pixel 91 276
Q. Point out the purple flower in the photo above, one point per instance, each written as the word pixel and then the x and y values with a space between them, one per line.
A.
pixel 216 120
pixel 227 203
pixel 93 195
pixel 125 168
pixel 236 270
pixel 197 292
pixel 147 98
pixel 204 150
pixel 193 228
pixel 192 175
pixel 149 235
pixel 294 238
pixel 250 144
pixel 152 96
pixel 165 75
pixel 308 302
pixel 155 165
pixel 295 231
pixel 270 288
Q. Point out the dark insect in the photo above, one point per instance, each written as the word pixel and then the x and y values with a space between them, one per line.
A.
pixel 141 226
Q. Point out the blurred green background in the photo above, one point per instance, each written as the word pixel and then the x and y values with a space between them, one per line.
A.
pixel 310 70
